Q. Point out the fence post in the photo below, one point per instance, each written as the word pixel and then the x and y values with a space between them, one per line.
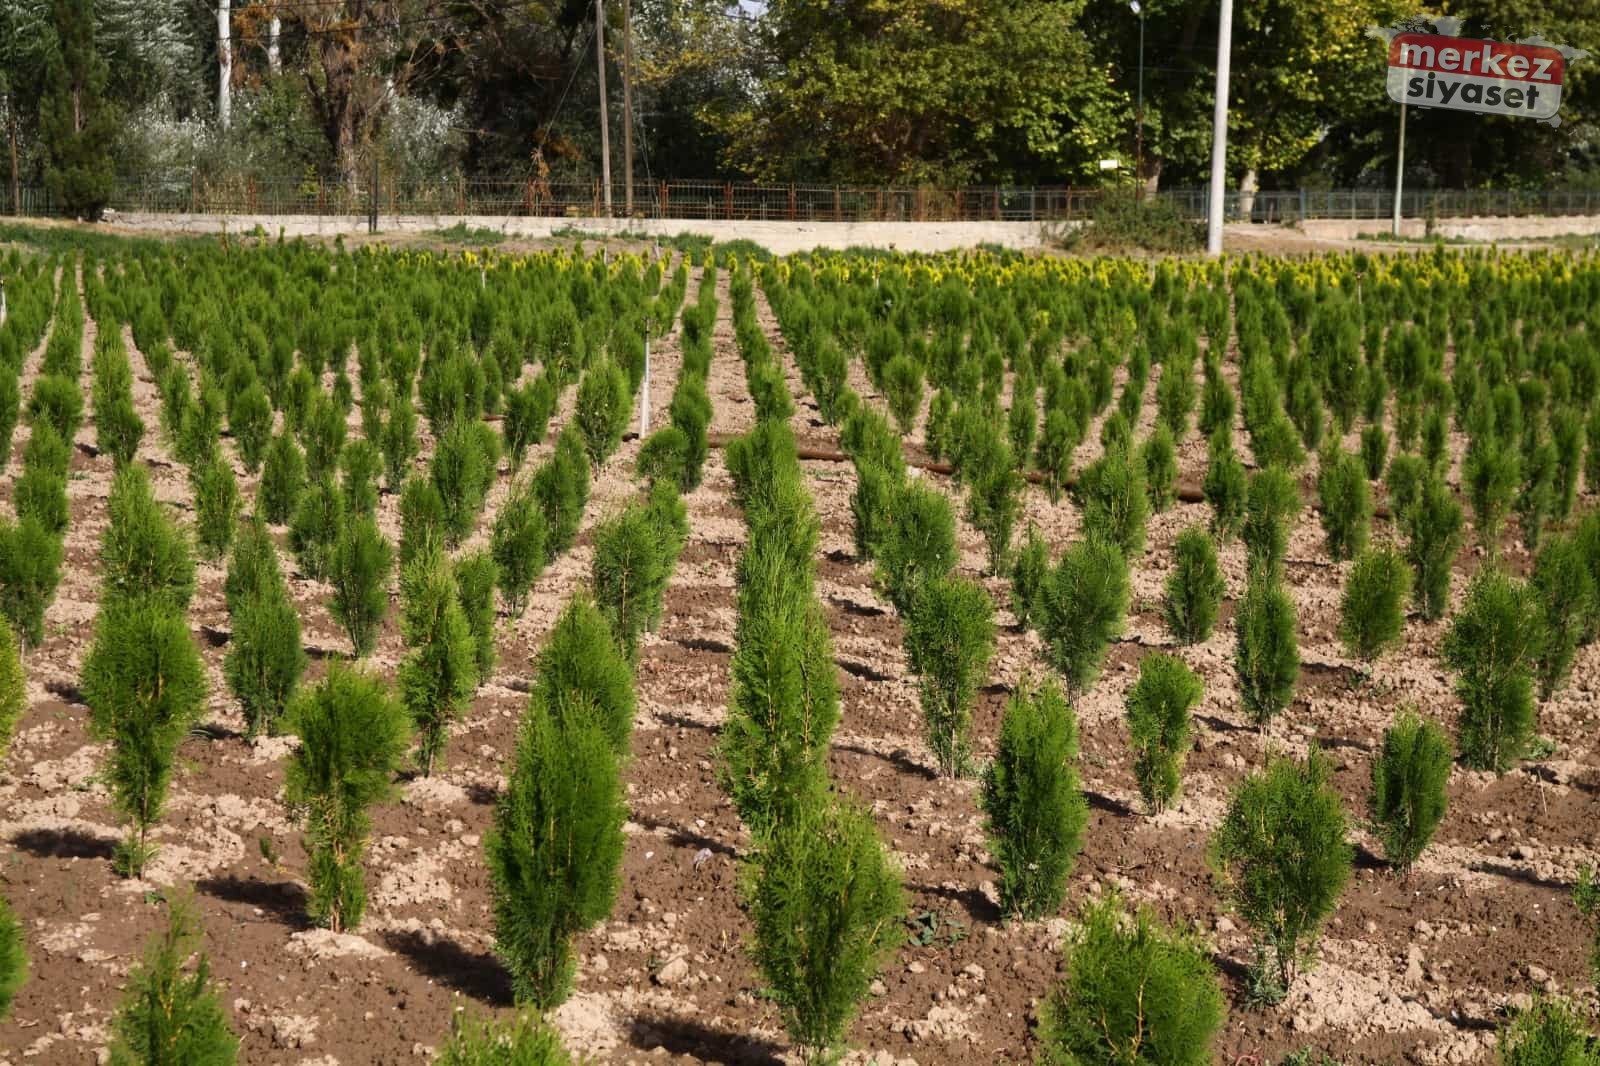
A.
pixel 792 205
pixel 838 207
pixel 727 199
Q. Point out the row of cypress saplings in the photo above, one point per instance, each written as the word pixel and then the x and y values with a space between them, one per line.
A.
pixel 824 898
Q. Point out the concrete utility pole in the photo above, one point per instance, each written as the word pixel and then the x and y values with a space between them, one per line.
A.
pixel 224 63
pixel 1400 170
pixel 627 108
pixel 605 124
pixel 1219 131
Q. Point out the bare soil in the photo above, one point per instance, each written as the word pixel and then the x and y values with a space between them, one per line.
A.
pixel 1417 970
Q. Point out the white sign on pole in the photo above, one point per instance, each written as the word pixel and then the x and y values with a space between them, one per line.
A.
pixel 1493 77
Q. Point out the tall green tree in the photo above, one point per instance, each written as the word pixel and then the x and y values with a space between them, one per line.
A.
pixel 77 124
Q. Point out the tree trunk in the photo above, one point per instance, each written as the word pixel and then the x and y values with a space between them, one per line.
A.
pixel 11 132
pixel 1249 185
pixel 274 59
pixel 1152 176
pixel 224 63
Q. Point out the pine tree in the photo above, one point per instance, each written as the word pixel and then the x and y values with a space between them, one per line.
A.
pixel 582 669
pixel 13 958
pixel 1372 612
pixel 1082 607
pixel 169 1017
pixel 352 737
pixel 1160 726
pixel 359 572
pixel 1433 526
pixel 13 695
pixel 518 547
pixel 1491 646
pixel 77 125
pixel 1195 588
pixel 282 476
pixel 476 576
pixel 1408 786
pixel 30 570
pixel 1267 651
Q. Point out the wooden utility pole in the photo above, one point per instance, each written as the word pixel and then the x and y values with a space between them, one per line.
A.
pixel 605 124
pixel 627 108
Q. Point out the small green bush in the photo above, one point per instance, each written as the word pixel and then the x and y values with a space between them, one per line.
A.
pixel 1374 451
pixel 41 492
pixel 1536 499
pixel 250 422
pixel 1408 787
pixel 439 674
pixel 462 472
pixel 57 401
pixel 359 572
pixel 1124 221
pixel 314 530
pixel 283 475
pixel 1226 488
pixel 169 1016
pixel 30 570
pixel 518 547
pixel 399 442
pixel 582 669
pixel 1160 460
pixel 949 636
pixel 359 466
pixel 690 413
pixel 1406 479
pixel 322 433
pixel 1160 727
pixel 919 544
pixel 561 486
pixel 1194 589
pixel 784 699
pixel 1136 994
pixel 602 410
pixel 216 507
pixel 1433 527
pixel 1053 453
pixel 1551 1032
pixel 994 503
pixel 1270 513
pixel 145 686
pixel 13 693
pixel 1082 608
pixel 555 851
pixel 825 902
pixel 1284 859
pixel 143 553
pixel 421 518
pixel 13 958
pixel 1030 569
pixel 353 735
pixel 1567 593
pixel 902 389
pixel 1032 799
pixel 1372 612
pixel 1346 505
pixel 527 417
pixel 1490 474
pixel 1491 645
pixel 1266 650
pixel 633 561
pixel 664 456
pixel 476 576
pixel 1111 491
pixel 265 660
pixel 527 1041
pixel 872 507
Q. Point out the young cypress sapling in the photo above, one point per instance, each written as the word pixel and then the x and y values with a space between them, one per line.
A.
pixel 1346 504
pixel 555 851
pixel 283 475
pixel 13 693
pixel 1284 859
pixel 359 572
pixel 399 441
pixel 30 570
pixel 145 687
pixel 1082 607
pixel 1549 1032
pixel 583 669
pixel 528 1040
pixel 1035 809
pixel 353 735
pixel 1490 473
pixel 1372 611
pixel 602 411
pixel 1492 645
pixel 1194 589
pixel 169 1016
pixel 476 576
pixel 1567 594
pixel 216 507
pixel 13 958
pixel 1226 487
pixel 359 466
pixel 826 904
pixel 422 517
pixel 314 531
pixel 949 638
pixel 919 544
pixel 1433 527
pixel 1029 570
pixel 994 504
pixel 1374 450
pixel 561 487
pixel 439 674
pixel 1136 993
pixel 1267 652
pixel 1160 727
pixel 143 553
pixel 518 546
pixel 1112 493
pixel 1408 787
pixel 902 389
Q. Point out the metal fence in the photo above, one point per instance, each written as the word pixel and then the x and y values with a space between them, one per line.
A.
pixel 695 200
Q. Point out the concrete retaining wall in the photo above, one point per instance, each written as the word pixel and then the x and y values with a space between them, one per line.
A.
pixel 781 238
pixel 1472 229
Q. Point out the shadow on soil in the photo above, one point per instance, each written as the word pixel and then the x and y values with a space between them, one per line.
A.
pixel 285 901
pixel 475 974
pixel 64 844
pixel 683 1036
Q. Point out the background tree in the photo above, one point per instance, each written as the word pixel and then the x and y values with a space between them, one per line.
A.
pixel 77 123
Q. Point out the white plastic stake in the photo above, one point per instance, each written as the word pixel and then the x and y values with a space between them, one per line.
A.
pixel 644 393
